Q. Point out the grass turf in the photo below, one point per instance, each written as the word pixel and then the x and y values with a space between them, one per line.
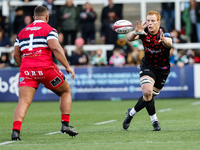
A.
pixel 180 126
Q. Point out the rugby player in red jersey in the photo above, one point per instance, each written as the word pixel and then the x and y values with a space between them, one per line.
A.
pixel 155 66
pixel 33 53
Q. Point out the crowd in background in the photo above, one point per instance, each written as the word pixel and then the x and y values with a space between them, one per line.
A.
pixel 69 19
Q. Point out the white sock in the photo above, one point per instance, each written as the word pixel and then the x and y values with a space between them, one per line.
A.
pixel 132 112
pixel 153 118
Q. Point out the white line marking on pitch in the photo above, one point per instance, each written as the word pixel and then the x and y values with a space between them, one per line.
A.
pixel 8 142
pixel 53 133
pixel 105 122
pixel 163 110
pixel 196 103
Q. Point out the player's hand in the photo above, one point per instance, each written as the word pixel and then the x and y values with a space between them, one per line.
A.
pixel 162 36
pixel 140 28
pixel 70 70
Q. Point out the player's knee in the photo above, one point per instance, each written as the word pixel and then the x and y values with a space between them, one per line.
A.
pixel 65 94
pixel 147 93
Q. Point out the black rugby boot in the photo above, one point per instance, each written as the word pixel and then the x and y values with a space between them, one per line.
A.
pixel 15 135
pixel 156 126
pixel 127 120
pixel 68 130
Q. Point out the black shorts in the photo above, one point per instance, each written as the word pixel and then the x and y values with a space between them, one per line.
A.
pixel 159 76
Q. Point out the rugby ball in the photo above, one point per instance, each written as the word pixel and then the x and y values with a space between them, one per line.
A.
pixel 122 26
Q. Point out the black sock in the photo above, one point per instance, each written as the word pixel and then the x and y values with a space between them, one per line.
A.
pixel 65 123
pixel 150 107
pixel 140 104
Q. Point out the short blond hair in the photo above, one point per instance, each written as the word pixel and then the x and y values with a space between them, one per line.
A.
pixel 151 12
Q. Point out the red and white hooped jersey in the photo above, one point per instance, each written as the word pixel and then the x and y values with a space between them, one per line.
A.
pixel 32 41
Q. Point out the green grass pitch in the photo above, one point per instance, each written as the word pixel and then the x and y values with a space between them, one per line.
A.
pixel 179 120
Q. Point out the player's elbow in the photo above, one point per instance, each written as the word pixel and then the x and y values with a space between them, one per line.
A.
pixel 56 51
pixel 17 55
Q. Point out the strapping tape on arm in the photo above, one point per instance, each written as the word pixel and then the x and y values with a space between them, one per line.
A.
pixel 138 33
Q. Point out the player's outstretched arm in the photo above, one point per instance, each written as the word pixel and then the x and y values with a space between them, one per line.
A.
pixel 139 30
pixel 60 56
pixel 166 41
pixel 17 55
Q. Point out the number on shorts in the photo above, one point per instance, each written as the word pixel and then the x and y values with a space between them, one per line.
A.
pixel 31 42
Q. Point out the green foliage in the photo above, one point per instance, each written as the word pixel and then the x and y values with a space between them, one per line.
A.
pixel 180 126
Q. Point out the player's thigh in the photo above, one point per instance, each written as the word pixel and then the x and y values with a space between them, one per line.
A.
pixel 147 77
pixel 26 94
pixel 64 88
pixel 147 80
pixel 55 80
pixel 160 81
pixel 52 77
pixel 146 83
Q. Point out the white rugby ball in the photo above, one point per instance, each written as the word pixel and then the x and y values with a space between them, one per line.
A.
pixel 122 26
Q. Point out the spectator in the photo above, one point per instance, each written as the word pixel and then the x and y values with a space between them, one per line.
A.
pixel 108 36
pixel 20 14
pixel 28 9
pixel 79 57
pixel 190 20
pixel 198 21
pixel 12 60
pixel 193 56
pixel 53 13
pixel 18 20
pixel 26 21
pixel 70 20
pixel 182 59
pixel 61 40
pixel 169 15
pixel 88 17
pixel 172 57
pixel 2 21
pixel 117 8
pixel 123 45
pixel 3 61
pixel 4 42
pixel 98 59
pixel 176 37
pixel 136 55
pixel 117 59
pixel 196 55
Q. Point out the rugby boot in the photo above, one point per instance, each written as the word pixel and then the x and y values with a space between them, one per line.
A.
pixel 68 130
pixel 156 126
pixel 127 120
pixel 15 135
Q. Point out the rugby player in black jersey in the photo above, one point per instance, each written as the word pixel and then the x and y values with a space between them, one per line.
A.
pixel 155 66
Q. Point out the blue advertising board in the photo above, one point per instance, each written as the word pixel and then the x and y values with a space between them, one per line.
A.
pixel 103 83
pixel 180 83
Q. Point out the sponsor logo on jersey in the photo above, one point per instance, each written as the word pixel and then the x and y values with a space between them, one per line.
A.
pixel 164 68
pixel 21 79
pixel 152 50
pixel 33 28
pixel 36 53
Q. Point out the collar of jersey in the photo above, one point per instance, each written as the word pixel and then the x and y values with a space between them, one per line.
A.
pixel 38 21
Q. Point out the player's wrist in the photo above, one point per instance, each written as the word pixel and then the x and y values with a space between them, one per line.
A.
pixel 164 41
pixel 138 33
